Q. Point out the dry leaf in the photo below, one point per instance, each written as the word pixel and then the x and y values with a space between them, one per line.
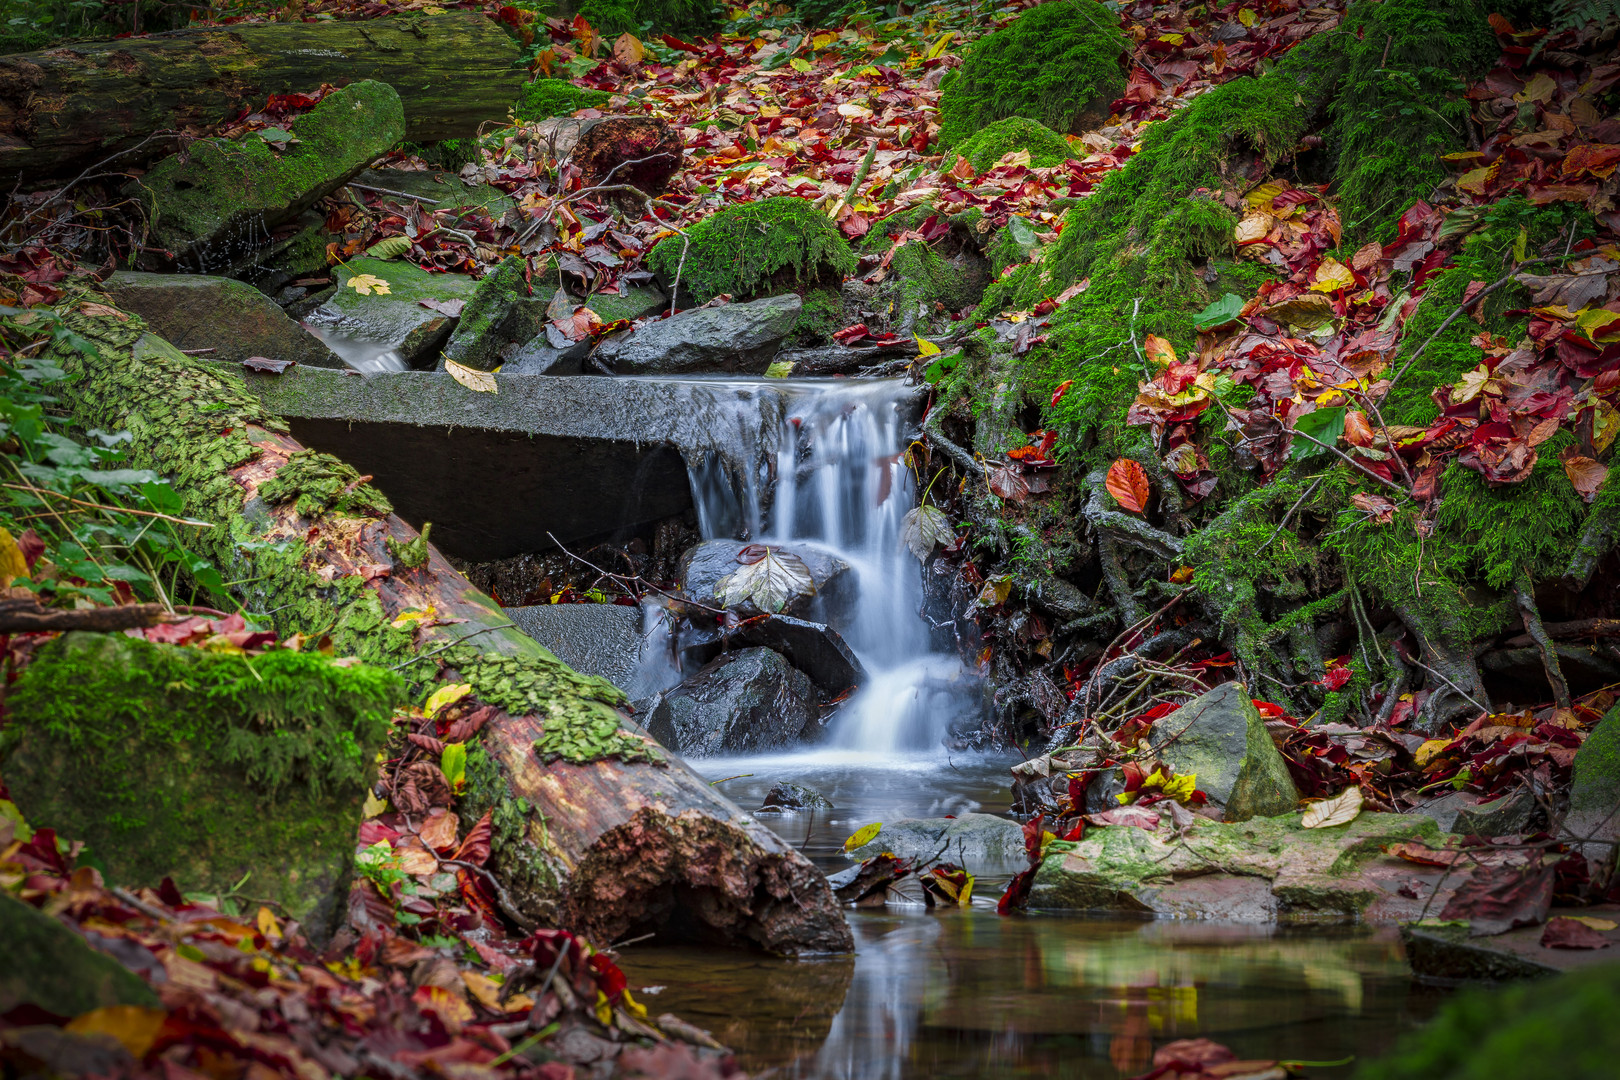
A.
pixel 472 378
pixel 769 584
pixel 1339 810
pixel 1127 482
pixel 925 528
pixel 366 284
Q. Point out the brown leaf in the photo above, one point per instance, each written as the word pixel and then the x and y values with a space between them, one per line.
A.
pixel 628 50
pixel 439 830
pixel 1495 899
pixel 1572 934
pixel 1128 483
pixel 421 786
pixel 428 743
pixel 1586 474
pixel 1379 508
pixel 475 849
pixel 1007 482
pixel 264 363
pixel 1357 431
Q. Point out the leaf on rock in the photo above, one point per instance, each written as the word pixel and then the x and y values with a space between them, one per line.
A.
pixel 1339 810
pixel 863 836
pixel 264 363
pixel 1128 483
pixel 769 583
pixel 472 378
pixel 452 308
pixel 391 248
pixel 1564 933
pixel 1495 899
pixel 366 284
pixel 925 528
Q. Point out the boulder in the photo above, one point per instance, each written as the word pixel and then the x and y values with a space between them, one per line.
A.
pixel 1260 869
pixel 630 302
pixel 786 798
pixel 729 339
pixel 394 321
pixel 1222 739
pixel 444 190
pixel 220 198
pixel 501 315
pixel 981 841
pixel 593 639
pixel 51 967
pixel 543 357
pixel 1594 796
pixel 193 765
pixel 702 567
pixel 743 702
pixel 231 319
pixel 814 648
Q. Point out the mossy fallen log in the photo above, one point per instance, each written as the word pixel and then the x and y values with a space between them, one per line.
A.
pixel 65 107
pixel 595 827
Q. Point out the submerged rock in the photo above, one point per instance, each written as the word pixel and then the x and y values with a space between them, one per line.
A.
pixel 979 840
pixel 742 702
pixel 702 567
pixel 786 798
pixel 395 321
pixel 219 198
pixel 730 339
pixel 593 639
pixel 1260 869
pixel 192 765
pixel 231 319
pixel 1222 739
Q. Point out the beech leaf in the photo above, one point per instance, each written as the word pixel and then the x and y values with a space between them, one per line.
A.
pixel 472 378
pixel 391 248
pixel 1127 482
pixel 1339 810
pixel 776 578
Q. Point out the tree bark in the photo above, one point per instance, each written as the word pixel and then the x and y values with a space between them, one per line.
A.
pixel 603 847
pixel 642 152
pixel 66 107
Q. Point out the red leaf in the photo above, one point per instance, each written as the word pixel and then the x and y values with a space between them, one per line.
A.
pixel 1128 483
pixel 1495 899
pixel 1057 395
pixel 475 848
pixel 1572 934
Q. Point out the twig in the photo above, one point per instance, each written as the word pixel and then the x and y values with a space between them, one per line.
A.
pixel 114 509
pixel 391 191
pixel 620 579
pixel 930 430
pixel 1283 524
pixel 1461 692
pixel 140 905
pixel 507 907
pixel 860 178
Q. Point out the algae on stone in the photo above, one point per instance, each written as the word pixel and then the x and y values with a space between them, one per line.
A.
pixel 502 312
pixel 207 767
pixel 1221 738
pixel 545 98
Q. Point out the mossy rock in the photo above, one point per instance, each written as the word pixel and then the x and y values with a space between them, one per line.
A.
pixel 990 144
pixel 221 197
pixel 757 249
pixel 545 98
pixel 1561 1027
pixel 50 966
pixel 395 318
pixel 213 769
pixel 1222 740
pixel 1059 64
pixel 502 313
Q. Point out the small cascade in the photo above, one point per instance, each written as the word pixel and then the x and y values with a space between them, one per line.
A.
pixel 840 483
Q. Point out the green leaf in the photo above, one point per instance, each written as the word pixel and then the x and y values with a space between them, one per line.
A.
pixel 121 479
pixel 800 64
pixel 453 764
pixel 163 498
pixel 391 248
pixel 1222 312
pixel 941 368
pixel 1323 425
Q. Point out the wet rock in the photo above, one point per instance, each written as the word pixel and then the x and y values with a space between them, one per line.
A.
pixel 50 966
pixel 1445 951
pixel 973 840
pixel 1222 739
pixel 742 702
pixel 446 189
pixel 1594 795
pixel 501 315
pixel 786 798
pixel 1260 869
pixel 702 567
pixel 1509 815
pixel 541 357
pixel 219 198
pixel 735 339
pixel 233 319
pixel 843 359
pixel 394 321
pixel 630 302
pixel 814 648
pixel 593 639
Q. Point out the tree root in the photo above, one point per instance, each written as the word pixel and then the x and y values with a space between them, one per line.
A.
pixel 1524 592
pixel 1124 527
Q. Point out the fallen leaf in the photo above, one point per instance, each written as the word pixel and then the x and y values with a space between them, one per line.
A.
pixel 366 284
pixel 863 836
pixel 134 1027
pixel 776 578
pixel 1339 810
pixel 1127 482
pixel 1586 474
pixel 472 378
pixel 1564 933
pixel 264 363
pixel 1331 276
pixel 1495 899
pixel 446 695
pixel 439 831
pixel 391 248
pixel 1160 352
pixel 925 528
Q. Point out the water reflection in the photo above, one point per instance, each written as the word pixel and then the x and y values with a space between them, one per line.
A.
pixel 968 994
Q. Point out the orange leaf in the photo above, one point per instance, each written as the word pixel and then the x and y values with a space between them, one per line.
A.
pixel 1159 352
pixel 1357 432
pixel 1128 484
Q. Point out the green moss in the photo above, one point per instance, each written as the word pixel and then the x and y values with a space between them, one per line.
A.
pixel 821 317
pixel 544 98
pixel 990 144
pixel 320 483
pixel 204 766
pixel 449 154
pixel 50 966
pixel 614 17
pixel 1560 1027
pixel 757 249
pixel 1595 784
pixel 526 863
pixel 1058 64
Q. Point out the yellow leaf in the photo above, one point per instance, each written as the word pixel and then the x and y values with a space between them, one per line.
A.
pixel 1540 88
pixel 1339 810
pixel 1331 276
pixel 1182 787
pixel 1247 17
pixel 1254 226
pixel 1260 198
pixel 405 618
pixel 1172 39
pixel 12 563
pixel 133 1026
pixel 937 49
pixel 446 695
pixel 472 378
pixel 366 284
pixel 1597 325
pixel 1594 922
pixel 373 806
pixel 1605 425
pixel 924 348
pixel 851 111
pixel 863 836
pixel 1425 753
pixel 604 1011
pixel 628 50
pixel 487 992
pixel 1519 244
pixel 268 925
pixel 822 40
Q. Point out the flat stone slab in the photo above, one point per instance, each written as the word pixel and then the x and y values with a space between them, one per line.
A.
pixel 1258 870
pixel 581 458
pixel 1446 954
pixel 230 318
pixel 593 639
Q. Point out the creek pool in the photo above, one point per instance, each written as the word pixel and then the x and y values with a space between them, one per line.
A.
pixel 967 993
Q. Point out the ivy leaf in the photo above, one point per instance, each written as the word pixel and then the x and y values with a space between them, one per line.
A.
pixel 925 528
pixel 776 578
pixel 1127 482
pixel 1339 810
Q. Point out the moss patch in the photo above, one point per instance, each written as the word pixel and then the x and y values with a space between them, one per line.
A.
pixel 544 98
pixel 318 483
pixel 986 147
pixel 757 249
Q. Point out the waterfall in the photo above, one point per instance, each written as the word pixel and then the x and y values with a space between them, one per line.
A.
pixel 841 482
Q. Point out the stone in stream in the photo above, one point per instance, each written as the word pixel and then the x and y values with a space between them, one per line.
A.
pixel 396 320
pixel 981 840
pixel 730 339
pixel 787 798
pixel 836 585
pixel 1594 796
pixel 814 648
pixel 1469 815
pixel 220 198
pixel 193 765
pixel 630 302
pixel 1222 739
pixel 1262 869
pixel 743 702
pixel 231 319
pixel 500 316
pixel 593 639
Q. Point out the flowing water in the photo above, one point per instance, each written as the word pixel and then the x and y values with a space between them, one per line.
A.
pixel 964 993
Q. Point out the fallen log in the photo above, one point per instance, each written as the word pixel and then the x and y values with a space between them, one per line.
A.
pixel 68 106
pixel 595 827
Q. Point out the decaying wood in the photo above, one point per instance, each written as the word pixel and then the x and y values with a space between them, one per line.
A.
pixel 67 106
pixel 639 151
pixel 20 616
pixel 635 845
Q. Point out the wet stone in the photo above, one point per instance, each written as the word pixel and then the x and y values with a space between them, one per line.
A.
pixel 1222 739
pixel 787 798
pixel 974 840
pixel 739 339
pixel 742 702
pixel 395 321
pixel 593 639
pixel 702 568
